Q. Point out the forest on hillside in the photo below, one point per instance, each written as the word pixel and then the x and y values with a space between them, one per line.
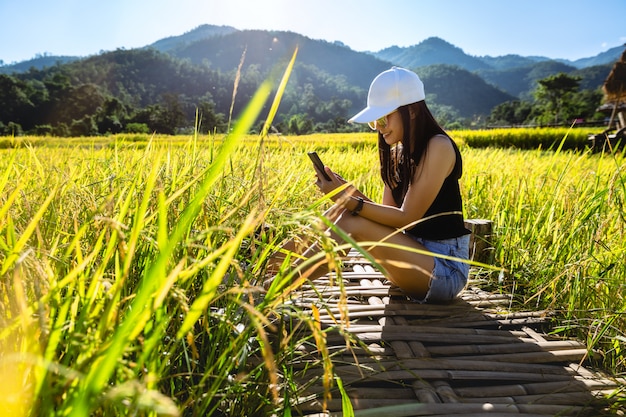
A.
pixel 146 90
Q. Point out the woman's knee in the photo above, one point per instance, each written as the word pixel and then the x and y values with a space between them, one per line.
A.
pixel 412 277
pixel 352 225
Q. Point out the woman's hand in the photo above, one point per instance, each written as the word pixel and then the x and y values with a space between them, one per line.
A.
pixel 326 186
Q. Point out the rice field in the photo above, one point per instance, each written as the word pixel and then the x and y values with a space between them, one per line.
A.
pixel 131 266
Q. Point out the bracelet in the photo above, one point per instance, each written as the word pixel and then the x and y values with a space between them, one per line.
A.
pixel 359 206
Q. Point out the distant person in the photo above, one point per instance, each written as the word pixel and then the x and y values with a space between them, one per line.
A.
pixel 421 208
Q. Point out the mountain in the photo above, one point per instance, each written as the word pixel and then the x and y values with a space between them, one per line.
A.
pixel 222 47
pixel 40 61
pixel 197 34
pixel 513 74
pixel 466 92
pixel 265 49
pixel 521 81
pixel 447 84
pixel 505 62
pixel 429 52
pixel 437 51
pixel 161 85
pixel 607 57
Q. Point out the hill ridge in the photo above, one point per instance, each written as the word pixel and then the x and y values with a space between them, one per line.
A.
pixel 406 54
pixel 171 78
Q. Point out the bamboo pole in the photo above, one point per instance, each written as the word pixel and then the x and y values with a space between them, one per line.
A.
pixel 454 359
pixel 504 348
pixel 445 392
pixel 579 398
pixel 430 337
pixel 368 409
pixel 447 369
pixel 568 355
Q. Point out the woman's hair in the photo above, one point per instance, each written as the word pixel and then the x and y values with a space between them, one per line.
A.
pixel 398 165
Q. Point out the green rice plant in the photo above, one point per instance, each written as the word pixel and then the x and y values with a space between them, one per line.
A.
pixel 560 233
pixel 527 138
pixel 131 269
pixel 129 278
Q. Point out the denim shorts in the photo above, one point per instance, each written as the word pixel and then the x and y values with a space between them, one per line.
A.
pixel 449 277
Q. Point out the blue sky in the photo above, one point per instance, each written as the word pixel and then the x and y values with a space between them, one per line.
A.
pixel 568 29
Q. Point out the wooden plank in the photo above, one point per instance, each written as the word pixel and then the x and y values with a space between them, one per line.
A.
pixel 425 392
pixel 418 367
pixel 537 388
pixel 481 248
pixel 571 398
pixel 445 392
pixel 395 393
pixel 434 409
pixel 351 376
pixel 365 291
pixel 450 308
pixel 404 329
pixel 471 357
pixel 470 349
pixel 469 320
pixel 566 355
pixel 430 337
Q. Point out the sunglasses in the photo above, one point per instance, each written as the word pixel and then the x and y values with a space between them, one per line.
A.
pixel 381 122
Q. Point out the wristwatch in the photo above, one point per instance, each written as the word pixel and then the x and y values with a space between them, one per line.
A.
pixel 359 206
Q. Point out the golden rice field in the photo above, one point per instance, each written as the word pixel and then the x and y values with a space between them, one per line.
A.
pixel 129 265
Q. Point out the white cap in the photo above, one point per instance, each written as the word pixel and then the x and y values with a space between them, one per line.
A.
pixel 390 89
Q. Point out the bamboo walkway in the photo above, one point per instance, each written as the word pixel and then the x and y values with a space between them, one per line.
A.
pixel 471 357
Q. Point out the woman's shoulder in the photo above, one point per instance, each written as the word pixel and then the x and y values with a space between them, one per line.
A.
pixel 441 151
pixel 441 143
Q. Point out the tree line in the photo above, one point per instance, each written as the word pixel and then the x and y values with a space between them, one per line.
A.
pixel 147 91
pixel 144 91
pixel 558 99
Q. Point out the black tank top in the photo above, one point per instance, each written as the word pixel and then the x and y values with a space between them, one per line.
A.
pixel 448 200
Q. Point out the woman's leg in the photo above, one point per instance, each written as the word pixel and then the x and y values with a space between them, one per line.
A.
pixel 300 245
pixel 407 269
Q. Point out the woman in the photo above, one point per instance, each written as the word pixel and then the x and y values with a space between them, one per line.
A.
pixel 421 207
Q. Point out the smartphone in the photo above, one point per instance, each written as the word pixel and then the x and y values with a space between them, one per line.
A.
pixel 318 164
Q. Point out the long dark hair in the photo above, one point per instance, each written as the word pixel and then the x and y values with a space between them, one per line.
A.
pixel 398 164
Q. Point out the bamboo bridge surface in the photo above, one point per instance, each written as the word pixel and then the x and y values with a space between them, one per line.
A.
pixel 476 356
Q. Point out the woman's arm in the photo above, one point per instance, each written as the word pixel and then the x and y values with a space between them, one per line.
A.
pixel 437 164
pixel 328 186
pixel 388 197
pixel 355 192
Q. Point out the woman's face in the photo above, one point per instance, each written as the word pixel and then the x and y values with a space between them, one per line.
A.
pixel 393 132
